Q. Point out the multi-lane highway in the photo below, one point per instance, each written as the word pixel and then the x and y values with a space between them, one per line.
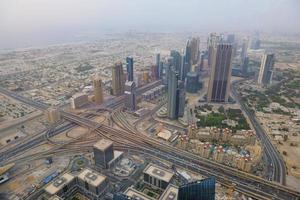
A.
pixel 38 139
pixel 276 163
pixel 247 183
pixel 253 184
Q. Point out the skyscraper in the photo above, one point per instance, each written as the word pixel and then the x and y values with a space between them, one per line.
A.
pixel 266 69
pixel 244 49
pixel 130 95
pixel 192 51
pixel 181 99
pixel 172 93
pixel 154 72
pixel 117 79
pixel 219 83
pixel 98 90
pixel 245 66
pixel 159 66
pixel 176 95
pixel 230 38
pixel 198 190
pixel 103 152
pixel 177 62
pixel 129 67
pixel 212 41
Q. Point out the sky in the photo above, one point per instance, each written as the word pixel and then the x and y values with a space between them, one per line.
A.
pixel 40 22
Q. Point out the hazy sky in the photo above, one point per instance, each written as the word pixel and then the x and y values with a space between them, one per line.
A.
pixel 39 22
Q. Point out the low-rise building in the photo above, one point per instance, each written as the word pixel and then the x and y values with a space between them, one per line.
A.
pixel 170 193
pixel 92 181
pixel 157 176
pixel 62 185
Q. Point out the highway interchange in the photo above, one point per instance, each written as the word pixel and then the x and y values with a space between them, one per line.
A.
pixel 130 139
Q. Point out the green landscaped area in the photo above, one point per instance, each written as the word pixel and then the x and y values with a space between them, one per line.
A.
pixel 285 93
pixel 215 119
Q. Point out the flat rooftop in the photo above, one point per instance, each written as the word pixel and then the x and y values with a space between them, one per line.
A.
pixel 59 183
pixel 134 194
pixel 170 193
pixel 92 177
pixel 55 198
pixel 103 144
pixel 159 172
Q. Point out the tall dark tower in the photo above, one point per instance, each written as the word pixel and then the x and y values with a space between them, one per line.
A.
pixel 129 67
pixel 219 83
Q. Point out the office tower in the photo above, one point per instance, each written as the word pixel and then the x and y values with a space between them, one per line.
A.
pixel 255 41
pixel 172 93
pixel 176 95
pixel 188 53
pixel 192 82
pixel 212 41
pixel 202 61
pixel 245 66
pixel 231 38
pixel 53 115
pixel 154 72
pixel 98 91
pixel 117 79
pixel 103 152
pixel 219 83
pixel 195 42
pixel 78 100
pixel 266 69
pixel 181 98
pixel 130 95
pixel 129 68
pixel 159 65
pixel 177 62
pixel 198 190
pixel 244 49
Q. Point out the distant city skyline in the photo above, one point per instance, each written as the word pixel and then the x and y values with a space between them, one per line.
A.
pixel 34 23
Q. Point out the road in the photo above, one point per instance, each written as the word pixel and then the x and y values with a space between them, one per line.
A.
pixel 23 146
pixel 247 183
pixel 276 164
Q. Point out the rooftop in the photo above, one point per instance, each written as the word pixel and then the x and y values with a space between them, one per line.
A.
pixel 59 183
pixel 134 194
pixel 159 172
pixel 170 193
pixel 91 177
pixel 103 144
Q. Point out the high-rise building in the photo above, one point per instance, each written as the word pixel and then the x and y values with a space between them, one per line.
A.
pixel 103 153
pixel 245 66
pixel 78 100
pixel 130 96
pixel 212 41
pixel 198 190
pixel 176 95
pixel 192 82
pixel 98 90
pixel 255 41
pixel 230 38
pixel 172 93
pixel 219 83
pixel 181 98
pixel 154 72
pixel 129 68
pixel 159 65
pixel 244 49
pixel 266 69
pixel 177 62
pixel 52 115
pixel 192 51
pixel 118 81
